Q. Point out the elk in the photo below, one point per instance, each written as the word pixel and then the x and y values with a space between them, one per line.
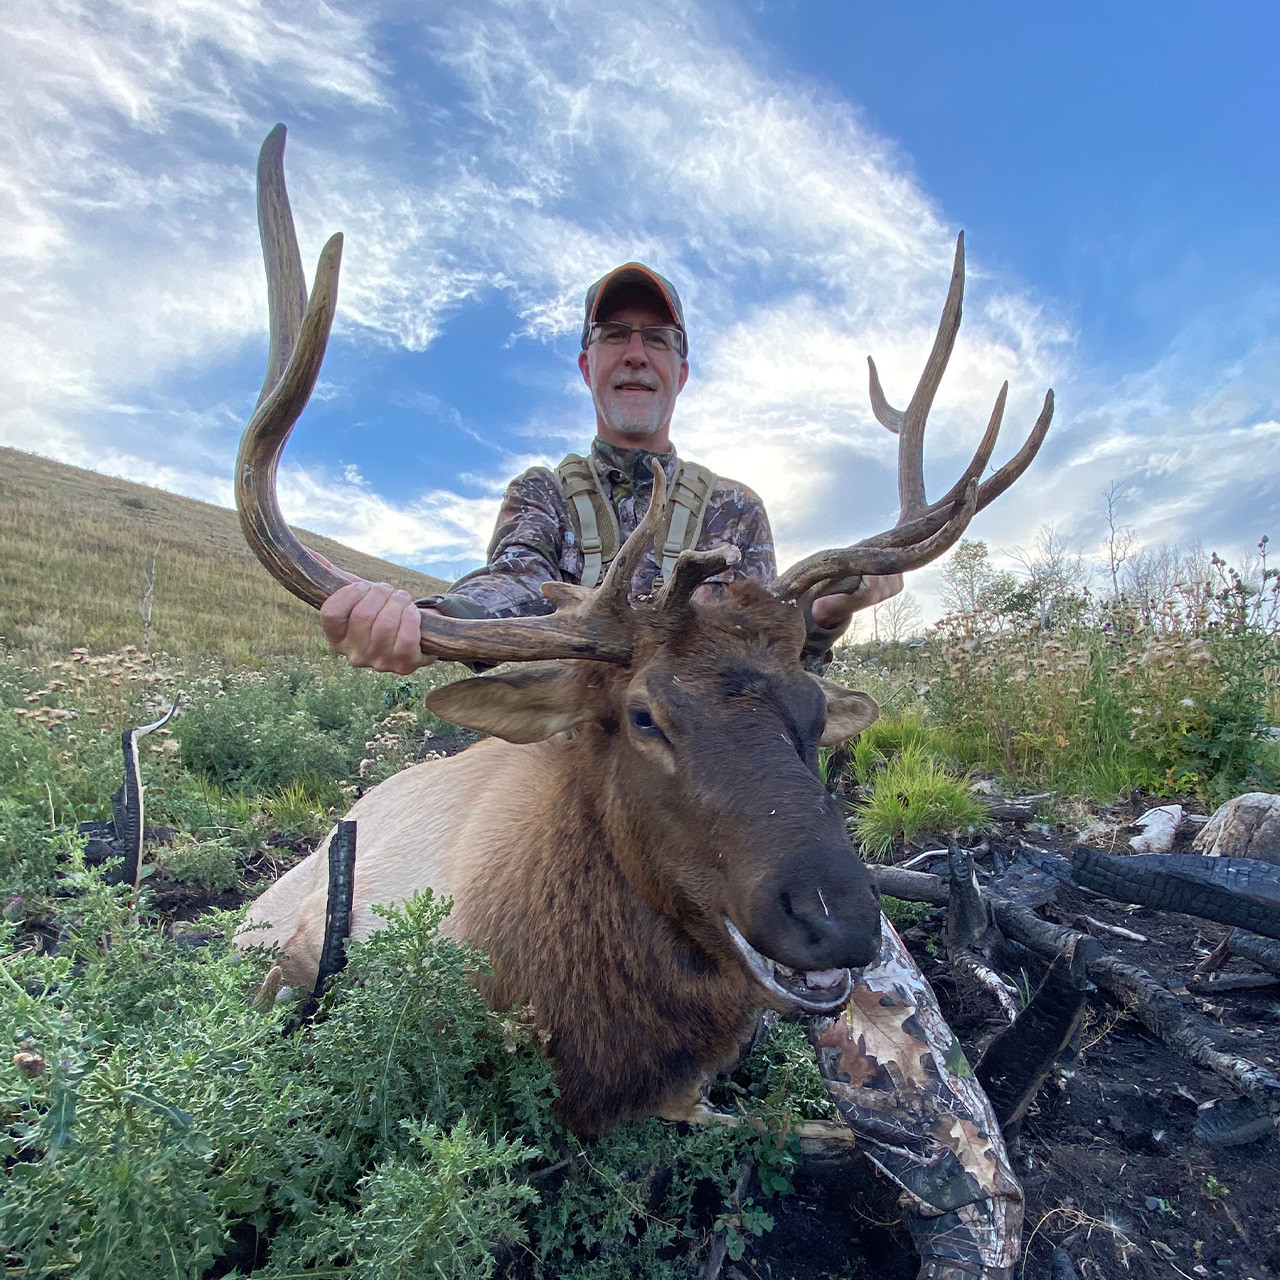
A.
pixel 644 846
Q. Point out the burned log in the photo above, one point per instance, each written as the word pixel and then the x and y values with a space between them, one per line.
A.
pixel 1243 892
pixel 1264 952
pixel 1018 1061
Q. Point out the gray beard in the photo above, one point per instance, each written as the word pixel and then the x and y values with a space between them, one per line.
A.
pixel 628 427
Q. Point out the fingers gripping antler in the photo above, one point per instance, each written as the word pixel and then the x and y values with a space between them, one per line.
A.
pixel 924 530
pixel 594 624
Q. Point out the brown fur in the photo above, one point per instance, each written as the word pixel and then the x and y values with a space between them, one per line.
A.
pixel 597 869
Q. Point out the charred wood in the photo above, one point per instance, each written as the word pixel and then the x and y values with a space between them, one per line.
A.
pixel 1017 1062
pixel 911 886
pixel 1161 1013
pixel 1264 952
pixel 1237 891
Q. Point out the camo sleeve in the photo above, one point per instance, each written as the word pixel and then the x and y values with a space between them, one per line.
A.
pixel 736 515
pixel 528 547
pixel 900 1079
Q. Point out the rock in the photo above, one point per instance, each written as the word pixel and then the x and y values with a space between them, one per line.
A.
pixel 1159 826
pixel 1246 827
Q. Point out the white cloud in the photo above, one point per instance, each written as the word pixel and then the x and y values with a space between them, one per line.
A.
pixel 522 149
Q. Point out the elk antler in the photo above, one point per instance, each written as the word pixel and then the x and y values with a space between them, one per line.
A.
pixel 586 624
pixel 924 529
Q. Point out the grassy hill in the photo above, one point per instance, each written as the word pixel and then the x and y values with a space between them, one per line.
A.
pixel 75 548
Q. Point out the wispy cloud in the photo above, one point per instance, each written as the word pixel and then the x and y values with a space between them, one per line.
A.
pixel 509 151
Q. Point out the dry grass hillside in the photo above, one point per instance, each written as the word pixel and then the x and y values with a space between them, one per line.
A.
pixel 74 553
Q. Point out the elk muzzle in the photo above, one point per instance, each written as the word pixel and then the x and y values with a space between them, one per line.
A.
pixel 806 925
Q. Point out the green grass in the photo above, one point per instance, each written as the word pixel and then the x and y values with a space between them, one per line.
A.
pixel 913 794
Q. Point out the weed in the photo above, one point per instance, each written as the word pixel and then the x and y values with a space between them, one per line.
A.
pixel 914 793
pixel 902 915
pixel 211 864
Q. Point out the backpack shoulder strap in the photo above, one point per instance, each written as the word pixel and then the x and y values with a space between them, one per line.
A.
pixel 594 519
pixel 681 523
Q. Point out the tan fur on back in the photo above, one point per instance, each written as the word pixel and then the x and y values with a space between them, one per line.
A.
pixel 434 825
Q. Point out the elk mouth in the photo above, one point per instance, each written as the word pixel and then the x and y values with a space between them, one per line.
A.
pixel 814 991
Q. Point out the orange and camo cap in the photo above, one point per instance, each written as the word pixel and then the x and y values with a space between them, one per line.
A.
pixel 631 273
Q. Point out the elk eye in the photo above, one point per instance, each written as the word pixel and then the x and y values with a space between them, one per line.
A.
pixel 643 723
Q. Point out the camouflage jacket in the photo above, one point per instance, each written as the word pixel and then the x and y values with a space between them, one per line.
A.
pixel 534 540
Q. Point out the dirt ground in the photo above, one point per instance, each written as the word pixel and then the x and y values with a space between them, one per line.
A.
pixel 1108 1158
pixel 1113 1172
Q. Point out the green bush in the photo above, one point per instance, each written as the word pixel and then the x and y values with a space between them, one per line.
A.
pixel 301 725
pixel 210 864
pixel 31 853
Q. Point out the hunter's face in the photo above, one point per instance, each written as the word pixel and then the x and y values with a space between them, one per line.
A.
pixel 634 389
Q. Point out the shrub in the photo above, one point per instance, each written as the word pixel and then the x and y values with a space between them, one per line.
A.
pixel 31 853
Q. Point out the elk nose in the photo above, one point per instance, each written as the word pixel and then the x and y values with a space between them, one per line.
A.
pixel 824 914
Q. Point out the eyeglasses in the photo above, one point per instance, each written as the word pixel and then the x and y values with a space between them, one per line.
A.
pixel 657 338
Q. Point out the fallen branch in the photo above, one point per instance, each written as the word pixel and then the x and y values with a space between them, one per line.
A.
pixel 911 886
pixel 1264 952
pixel 1232 982
pixel 1017 1062
pixel 1160 1012
pixel 1087 924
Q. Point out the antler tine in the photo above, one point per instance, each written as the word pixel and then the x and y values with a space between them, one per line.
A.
pixel 597 628
pixel 912 500
pixel 993 487
pixel 924 530
pixel 617 579
pixel 981 455
pixel 286 285
pixel 838 566
pixel 886 414
pixel 691 570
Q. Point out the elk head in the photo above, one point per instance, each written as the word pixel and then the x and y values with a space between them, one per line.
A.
pixel 708 725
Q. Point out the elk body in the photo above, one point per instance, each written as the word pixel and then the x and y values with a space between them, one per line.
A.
pixel 645 847
pixel 602 871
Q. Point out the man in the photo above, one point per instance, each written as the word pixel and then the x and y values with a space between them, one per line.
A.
pixel 634 378
pixel 895 1071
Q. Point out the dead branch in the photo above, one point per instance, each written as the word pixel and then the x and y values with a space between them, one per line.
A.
pixel 1264 952
pixel 911 886
pixel 1159 1011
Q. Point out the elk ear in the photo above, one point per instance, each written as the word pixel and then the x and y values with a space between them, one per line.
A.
pixel 848 713
pixel 529 704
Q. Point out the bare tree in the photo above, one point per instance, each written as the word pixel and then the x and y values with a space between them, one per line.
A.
pixel 898 618
pixel 1151 576
pixel 1120 538
pixel 1052 573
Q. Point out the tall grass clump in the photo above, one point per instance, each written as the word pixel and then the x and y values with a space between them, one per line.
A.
pixel 911 793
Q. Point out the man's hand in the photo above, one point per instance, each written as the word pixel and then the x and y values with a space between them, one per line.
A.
pixel 374 625
pixel 833 612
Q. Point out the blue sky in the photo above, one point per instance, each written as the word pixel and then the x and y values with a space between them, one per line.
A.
pixel 798 168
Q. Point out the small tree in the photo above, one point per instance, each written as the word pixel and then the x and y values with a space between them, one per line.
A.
pixel 1053 574
pixel 972 585
pixel 1120 538
pixel 898 618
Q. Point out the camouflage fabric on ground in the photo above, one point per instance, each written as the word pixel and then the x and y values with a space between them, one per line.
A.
pixel 900 1079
